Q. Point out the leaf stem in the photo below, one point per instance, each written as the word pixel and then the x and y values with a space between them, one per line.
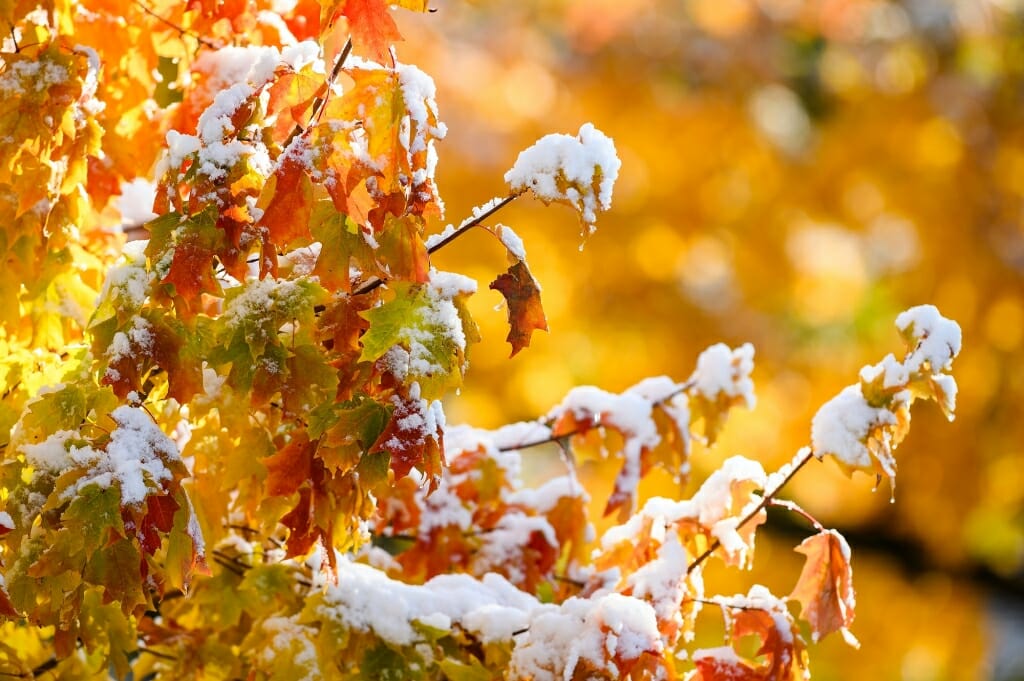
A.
pixel 765 500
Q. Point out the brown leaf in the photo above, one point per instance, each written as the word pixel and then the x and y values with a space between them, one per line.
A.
pixel 525 313
pixel 825 587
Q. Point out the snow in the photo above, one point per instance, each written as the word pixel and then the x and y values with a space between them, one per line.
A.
pixel 543 499
pixel 595 630
pixel 893 372
pixel 136 202
pixel 502 547
pixel 663 581
pixel 434 239
pixel 938 339
pixel 723 371
pixel 294 640
pixel 842 426
pixel 449 284
pixel 134 458
pixel 137 339
pixel 716 507
pixel 581 170
pixel 759 597
pixel 511 241
pixel 418 93
pixel 367 600
pixel 628 413
pixel 435 322
pixel 231 64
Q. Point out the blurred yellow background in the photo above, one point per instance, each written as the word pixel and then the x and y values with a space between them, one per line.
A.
pixel 795 173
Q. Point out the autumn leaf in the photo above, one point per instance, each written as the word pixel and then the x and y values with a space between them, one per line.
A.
pixel 825 587
pixel 287 199
pixel 372 28
pixel 522 295
pixel 722 664
pixel 413 437
pixel 290 467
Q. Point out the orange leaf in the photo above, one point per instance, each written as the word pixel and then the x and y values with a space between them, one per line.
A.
pixel 371 26
pixel 722 664
pixel 290 202
pixel 525 313
pixel 289 468
pixel 825 587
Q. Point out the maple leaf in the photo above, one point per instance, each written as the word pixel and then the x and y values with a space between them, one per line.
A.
pixel 413 437
pixel 371 26
pixel 825 587
pixel 290 467
pixel 197 239
pixel 525 313
pixel 722 664
pixel 287 198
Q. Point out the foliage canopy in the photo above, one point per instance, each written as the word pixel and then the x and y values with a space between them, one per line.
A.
pixel 225 452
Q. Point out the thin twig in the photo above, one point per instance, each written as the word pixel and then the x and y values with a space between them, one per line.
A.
pixel 180 29
pixel 720 604
pixel 319 104
pixel 795 508
pixel 375 282
pixel 767 499
pixel 580 430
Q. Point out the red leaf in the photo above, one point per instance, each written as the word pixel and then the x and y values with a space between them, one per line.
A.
pixel 825 587
pixel 411 441
pixel 525 313
pixel 299 521
pixel 371 26
pixel 191 273
pixel 6 607
pixel 159 518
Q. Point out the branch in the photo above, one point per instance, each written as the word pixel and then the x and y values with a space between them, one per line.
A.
pixel 320 103
pixel 683 387
pixel 467 224
pixel 765 501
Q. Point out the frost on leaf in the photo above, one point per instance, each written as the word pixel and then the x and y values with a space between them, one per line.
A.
pixel 606 637
pixel 825 587
pixel 720 382
pixel 414 436
pixel 629 415
pixel 862 425
pixel 580 171
pixel 781 655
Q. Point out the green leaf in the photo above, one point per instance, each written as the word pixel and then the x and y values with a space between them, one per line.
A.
pixel 458 671
pixel 107 629
pixel 117 569
pixel 63 409
pixel 384 664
